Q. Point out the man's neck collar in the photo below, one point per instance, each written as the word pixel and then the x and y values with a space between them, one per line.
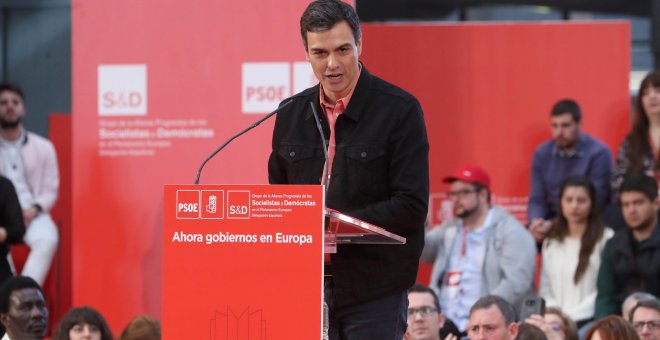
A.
pixel 11 134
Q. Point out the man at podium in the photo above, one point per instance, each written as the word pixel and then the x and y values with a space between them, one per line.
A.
pixel 377 161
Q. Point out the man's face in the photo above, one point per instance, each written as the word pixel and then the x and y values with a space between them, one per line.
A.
pixel 465 198
pixel 638 210
pixel 647 323
pixel 565 130
pixel 333 55
pixel 489 324
pixel 12 109
pixel 423 326
pixel 27 317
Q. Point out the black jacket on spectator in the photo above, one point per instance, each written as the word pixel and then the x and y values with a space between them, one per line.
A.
pixel 627 266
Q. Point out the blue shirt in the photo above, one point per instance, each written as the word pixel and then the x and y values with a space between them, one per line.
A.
pixel 467 258
pixel 551 166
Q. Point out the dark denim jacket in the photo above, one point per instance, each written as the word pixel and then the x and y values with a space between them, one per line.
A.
pixel 380 175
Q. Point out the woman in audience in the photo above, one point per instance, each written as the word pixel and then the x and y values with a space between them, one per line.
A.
pixel 82 323
pixel 571 252
pixel 554 324
pixel 639 150
pixel 612 327
pixel 141 328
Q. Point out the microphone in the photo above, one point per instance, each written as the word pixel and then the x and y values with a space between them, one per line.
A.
pixel 252 126
pixel 326 178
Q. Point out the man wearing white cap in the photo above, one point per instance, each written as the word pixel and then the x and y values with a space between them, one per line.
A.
pixel 484 251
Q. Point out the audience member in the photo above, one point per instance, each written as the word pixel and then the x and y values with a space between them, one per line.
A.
pixel 631 301
pixel 12 228
pixel 571 252
pixel 528 331
pixel 83 323
pixel 555 324
pixel 425 318
pixel 492 318
pixel 630 258
pixel 570 153
pixel 141 328
pixel 23 310
pixel 640 149
pixel 484 251
pixel 561 323
pixel 645 317
pixel 29 161
pixel 612 327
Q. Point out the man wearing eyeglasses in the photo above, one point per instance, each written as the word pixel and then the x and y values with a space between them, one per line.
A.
pixel 485 250
pixel 645 318
pixel 425 318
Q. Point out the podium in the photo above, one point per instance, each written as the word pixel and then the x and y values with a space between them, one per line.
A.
pixel 245 262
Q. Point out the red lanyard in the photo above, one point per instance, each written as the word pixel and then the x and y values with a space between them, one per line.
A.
pixel 463 241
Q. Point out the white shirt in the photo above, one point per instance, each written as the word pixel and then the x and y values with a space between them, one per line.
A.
pixel 14 169
pixel 560 259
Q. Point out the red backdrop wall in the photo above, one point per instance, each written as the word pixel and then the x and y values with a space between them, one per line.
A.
pixel 158 85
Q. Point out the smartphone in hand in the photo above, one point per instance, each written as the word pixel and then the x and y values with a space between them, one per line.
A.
pixel 532 306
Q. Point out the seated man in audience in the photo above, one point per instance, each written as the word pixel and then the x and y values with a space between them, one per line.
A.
pixel 631 301
pixel 23 310
pixel 425 318
pixel 491 317
pixel 30 162
pixel 484 250
pixel 645 317
pixel 569 153
pixel 631 258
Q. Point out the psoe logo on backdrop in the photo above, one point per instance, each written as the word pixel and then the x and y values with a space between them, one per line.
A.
pixel 122 90
pixel 266 84
pixel 187 204
pixel 238 204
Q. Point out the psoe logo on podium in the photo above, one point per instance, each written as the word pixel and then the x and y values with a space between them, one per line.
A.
pixel 187 204
pixel 213 204
pixel 238 204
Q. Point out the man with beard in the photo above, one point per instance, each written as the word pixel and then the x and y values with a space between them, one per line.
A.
pixel 569 153
pixel 23 310
pixel 631 258
pixel 29 161
pixel 483 251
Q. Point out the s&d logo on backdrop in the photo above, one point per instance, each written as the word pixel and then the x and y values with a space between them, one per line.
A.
pixel 122 90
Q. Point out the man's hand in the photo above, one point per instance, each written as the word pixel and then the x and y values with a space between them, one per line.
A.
pixel 29 214
pixel 539 229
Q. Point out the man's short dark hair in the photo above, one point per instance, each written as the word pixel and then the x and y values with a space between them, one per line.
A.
pixel 647 303
pixel 493 300
pixel 12 88
pixel 13 284
pixel 322 15
pixel 567 106
pixel 420 288
pixel 642 183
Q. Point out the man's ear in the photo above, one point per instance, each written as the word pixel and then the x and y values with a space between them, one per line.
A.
pixel 4 318
pixel 513 330
pixel 441 320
